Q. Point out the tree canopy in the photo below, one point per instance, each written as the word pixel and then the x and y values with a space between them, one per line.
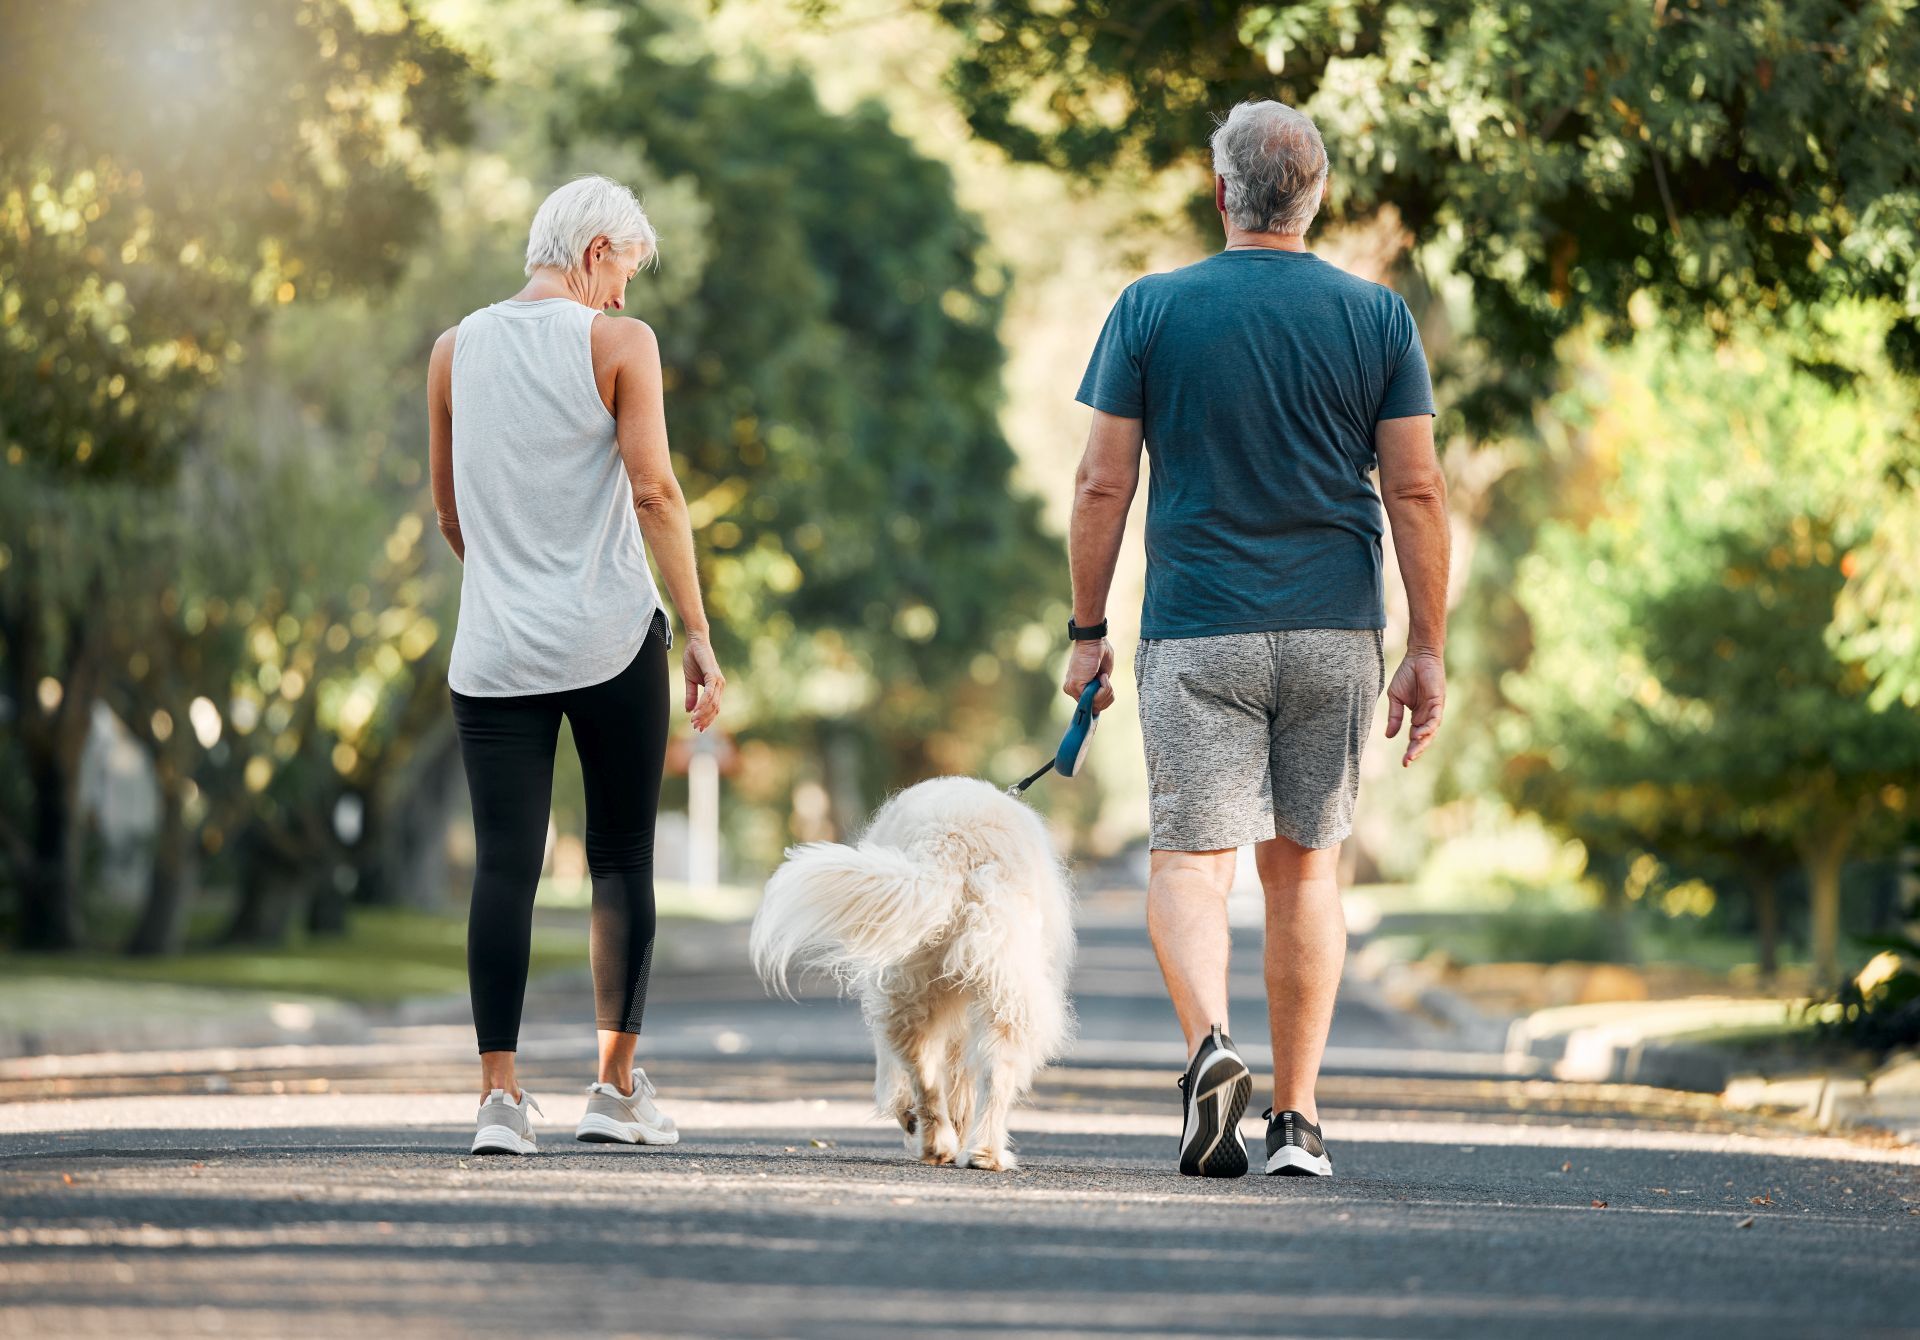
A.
pixel 170 170
pixel 1686 687
pixel 1727 160
pixel 833 396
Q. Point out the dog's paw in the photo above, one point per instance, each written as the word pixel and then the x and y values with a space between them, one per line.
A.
pixel 939 1143
pixel 990 1160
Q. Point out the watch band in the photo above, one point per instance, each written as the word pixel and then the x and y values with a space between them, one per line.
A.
pixel 1079 634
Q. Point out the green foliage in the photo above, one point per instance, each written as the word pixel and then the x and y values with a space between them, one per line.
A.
pixel 1728 160
pixel 1879 1008
pixel 1684 689
pixel 833 395
pixel 170 170
pixel 272 616
pixel 169 174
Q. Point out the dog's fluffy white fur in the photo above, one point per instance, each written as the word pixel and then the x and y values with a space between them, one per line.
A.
pixel 952 922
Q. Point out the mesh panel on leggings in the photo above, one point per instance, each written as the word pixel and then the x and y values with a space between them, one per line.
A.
pixel 639 1005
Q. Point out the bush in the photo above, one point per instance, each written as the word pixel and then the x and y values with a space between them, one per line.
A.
pixel 1880 1008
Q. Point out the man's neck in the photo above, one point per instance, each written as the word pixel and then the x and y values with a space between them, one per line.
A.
pixel 1239 239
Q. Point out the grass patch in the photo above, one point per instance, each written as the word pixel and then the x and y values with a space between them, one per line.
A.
pixel 387 954
pixel 672 898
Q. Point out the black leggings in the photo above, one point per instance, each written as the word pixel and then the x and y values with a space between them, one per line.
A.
pixel 507 744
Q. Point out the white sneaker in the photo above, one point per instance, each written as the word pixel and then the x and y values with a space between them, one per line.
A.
pixel 625 1119
pixel 505 1127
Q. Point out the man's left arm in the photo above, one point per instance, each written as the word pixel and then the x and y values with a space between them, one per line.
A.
pixel 1103 490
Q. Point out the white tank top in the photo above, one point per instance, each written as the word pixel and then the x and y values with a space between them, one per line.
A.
pixel 556 592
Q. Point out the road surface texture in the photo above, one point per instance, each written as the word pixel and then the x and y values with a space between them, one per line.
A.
pixel 326 1191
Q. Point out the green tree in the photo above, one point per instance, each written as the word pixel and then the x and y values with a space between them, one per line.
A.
pixel 1727 160
pixel 1683 677
pixel 833 395
pixel 168 173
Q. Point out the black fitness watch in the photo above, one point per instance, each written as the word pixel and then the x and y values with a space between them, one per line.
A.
pixel 1079 634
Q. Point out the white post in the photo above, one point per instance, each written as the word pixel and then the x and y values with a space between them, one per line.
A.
pixel 703 814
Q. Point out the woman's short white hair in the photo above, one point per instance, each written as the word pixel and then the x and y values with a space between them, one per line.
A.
pixel 583 209
pixel 1274 165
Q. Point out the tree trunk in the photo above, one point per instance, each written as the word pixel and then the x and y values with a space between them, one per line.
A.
pixel 1619 931
pixel 272 898
pixel 402 852
pixel 840 761
pixel 264 916
pixel 1766 925
pixel 48 887
pixel 327 908
pixel 163 921
pixel 1825 857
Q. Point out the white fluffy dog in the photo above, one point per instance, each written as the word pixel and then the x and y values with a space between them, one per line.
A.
pixel 952 922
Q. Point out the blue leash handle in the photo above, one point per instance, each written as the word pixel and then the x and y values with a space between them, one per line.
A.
pixel 1074 744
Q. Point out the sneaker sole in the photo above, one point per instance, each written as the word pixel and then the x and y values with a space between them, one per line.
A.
pixel 1293 1161
pixel 501 1140
pixel 596 1129
pixel 1212 1145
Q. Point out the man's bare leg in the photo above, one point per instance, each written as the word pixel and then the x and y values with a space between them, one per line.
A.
pixel 1187 920
pixel 1306 947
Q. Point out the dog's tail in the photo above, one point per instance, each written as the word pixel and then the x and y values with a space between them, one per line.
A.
pixel 853 911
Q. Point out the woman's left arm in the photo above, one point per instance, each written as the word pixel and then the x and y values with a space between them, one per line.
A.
pixel 440 440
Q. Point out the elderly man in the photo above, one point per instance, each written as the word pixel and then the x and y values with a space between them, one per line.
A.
pixel 1267 385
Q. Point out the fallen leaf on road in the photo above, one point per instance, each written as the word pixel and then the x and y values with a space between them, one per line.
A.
pixel 1599 1205
pixel 67 1178
pixel 1745 1223
pixel 1661 1191
pixel 1567 1166
pixel 463 1163
pixel 1761 1200
pixel 821 1144
pixel 199 1165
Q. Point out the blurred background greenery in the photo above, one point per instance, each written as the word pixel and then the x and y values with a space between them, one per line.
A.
pixel 1664 253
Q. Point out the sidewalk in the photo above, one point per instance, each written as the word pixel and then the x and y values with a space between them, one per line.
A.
pixel 1750 1053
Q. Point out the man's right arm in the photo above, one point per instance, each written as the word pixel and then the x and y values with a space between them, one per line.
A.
pixel 1103 490
pixel 1414 491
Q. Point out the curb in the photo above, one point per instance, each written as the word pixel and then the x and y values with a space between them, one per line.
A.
pixel 1886 1102
pixel 1408 986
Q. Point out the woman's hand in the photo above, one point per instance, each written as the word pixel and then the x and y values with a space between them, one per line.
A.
pixel 702 671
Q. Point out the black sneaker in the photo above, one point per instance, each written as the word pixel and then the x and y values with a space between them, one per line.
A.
pixel 1214 1094
pixel 1294 1147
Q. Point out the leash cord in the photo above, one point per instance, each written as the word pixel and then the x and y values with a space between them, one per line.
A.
pixel 1020 786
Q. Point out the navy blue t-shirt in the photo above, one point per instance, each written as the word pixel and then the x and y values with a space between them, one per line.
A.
pixel 1259 375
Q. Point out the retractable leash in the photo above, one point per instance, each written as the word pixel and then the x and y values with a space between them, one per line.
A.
pixel 1074 744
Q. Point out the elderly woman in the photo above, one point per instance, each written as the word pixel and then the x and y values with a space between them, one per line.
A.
pixel 549 452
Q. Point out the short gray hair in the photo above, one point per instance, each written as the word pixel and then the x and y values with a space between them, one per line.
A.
pixel 1274 165
pixel 585 208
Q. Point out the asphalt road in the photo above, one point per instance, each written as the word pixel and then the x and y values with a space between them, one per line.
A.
pixel 325 1191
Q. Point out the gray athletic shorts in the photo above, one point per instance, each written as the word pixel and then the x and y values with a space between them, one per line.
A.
pixel 1256 735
